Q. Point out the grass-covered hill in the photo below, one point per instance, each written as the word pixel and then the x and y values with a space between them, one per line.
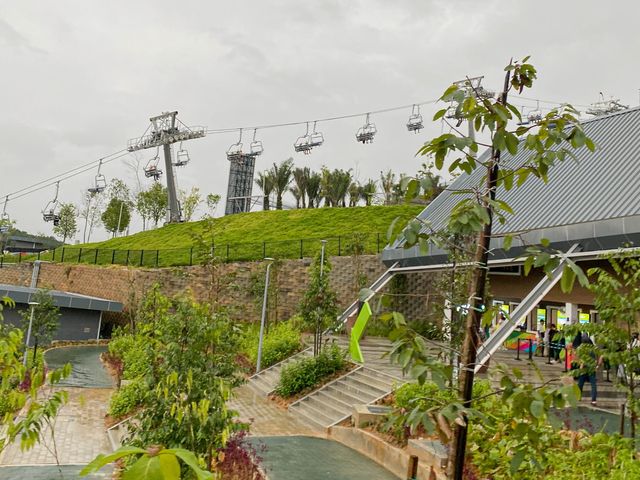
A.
pixel 250 236
pixel 274 225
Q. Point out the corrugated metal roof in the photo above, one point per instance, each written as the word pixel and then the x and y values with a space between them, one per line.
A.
pixel 20 294
pixel 599 186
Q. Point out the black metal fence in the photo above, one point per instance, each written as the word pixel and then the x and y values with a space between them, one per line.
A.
pixel 356 243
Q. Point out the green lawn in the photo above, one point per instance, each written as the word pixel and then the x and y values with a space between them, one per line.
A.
pixel 248 236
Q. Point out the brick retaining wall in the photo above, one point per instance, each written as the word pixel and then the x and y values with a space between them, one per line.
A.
pixel 128 284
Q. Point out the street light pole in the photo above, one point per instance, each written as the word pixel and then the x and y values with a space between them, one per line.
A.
pixel 26 346
pixel 264 314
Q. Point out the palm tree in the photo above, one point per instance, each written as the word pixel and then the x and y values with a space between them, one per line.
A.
pixel 367 191
pixel 314 189
pixel 301 179
pixel 335 186
pixel 266 184
pixel 295 191
pixel 354 194
pixel 387 180
pixel 281 179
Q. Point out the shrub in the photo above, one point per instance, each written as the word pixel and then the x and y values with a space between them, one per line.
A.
pixel 309 372
pixel 127 398
pixel 282 341
pixel 131 349
pixel 239 459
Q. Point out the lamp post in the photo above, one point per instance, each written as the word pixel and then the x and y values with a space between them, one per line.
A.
pixel 26 346
pixel 264 313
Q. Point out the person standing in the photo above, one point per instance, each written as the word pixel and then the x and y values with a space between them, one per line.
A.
pixel 588 370
pixel 553 350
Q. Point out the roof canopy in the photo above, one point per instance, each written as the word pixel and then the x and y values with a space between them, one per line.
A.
pixel 21 294
pixel 594 201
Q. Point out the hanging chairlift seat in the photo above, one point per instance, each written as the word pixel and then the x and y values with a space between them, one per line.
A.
pixel 303 144
pixel 100 184
pixel 534 116
pixel 415 123
pixel 152 171
pixel 256 148
pixel 235 152
pixel 316 139
pixel 366 133
pixel 182 158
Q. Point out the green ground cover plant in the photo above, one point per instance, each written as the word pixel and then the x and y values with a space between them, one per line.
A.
pixel 281 341
pixel 127 398
pixel 309 372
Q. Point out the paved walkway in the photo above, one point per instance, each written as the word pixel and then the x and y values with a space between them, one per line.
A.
pixel 266 418
pixel 79 432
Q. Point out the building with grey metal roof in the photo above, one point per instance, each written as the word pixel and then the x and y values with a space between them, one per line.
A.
pixel 81 315
pixel 593 201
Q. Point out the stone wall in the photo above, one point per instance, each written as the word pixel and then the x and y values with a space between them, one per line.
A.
pixel 128 284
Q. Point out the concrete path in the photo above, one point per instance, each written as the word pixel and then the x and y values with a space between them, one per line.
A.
pixel 79 432
pixel 266 417
pixel 300 457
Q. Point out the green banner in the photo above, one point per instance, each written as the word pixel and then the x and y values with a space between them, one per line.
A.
pixel 356 333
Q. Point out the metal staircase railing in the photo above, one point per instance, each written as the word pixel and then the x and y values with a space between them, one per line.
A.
pixel 491 345
pixel 375 287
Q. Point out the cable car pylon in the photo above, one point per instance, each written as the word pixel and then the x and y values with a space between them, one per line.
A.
pixel 166 129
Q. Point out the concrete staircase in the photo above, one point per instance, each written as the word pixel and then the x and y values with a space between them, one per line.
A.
pixel 265 382
pixel 366 384
pixel 334 402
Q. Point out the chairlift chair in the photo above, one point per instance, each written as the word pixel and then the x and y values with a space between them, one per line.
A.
pixel 415 123
pixel 534 116
pixel 235 151
pixel 151 170
pixel 256 148
pixel 50 211
pixel 182 158
pixel 100 182
pixel 316 138
pixel 366 133
pixel 304 144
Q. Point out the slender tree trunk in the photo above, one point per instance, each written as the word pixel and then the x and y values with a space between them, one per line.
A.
pixel 279 201
pixel 477 290
pixel 35 349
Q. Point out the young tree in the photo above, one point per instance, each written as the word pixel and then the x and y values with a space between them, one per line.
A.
pixel 281 175
pixel 156 201
pixel 319 305
pixel 297 195
pixel 117 216
pixel 354 193
pixel 387 181
pixel 190 202
pixel 67 227
pixel 90 210
pixel 213 199
pixel 46 320
pixel 368 191
pixel 143 207
pixel 549 141
pixel 266 183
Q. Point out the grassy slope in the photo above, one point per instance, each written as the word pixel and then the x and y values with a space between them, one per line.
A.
pixel 270 226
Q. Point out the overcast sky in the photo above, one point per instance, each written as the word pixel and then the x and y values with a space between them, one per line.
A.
pixel 80 78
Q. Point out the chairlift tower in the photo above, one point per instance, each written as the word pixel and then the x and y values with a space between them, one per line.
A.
pixel 472 87
pixel 165 130
pixel 605 107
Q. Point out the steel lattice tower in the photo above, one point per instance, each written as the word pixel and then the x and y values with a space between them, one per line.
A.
pixel 240 184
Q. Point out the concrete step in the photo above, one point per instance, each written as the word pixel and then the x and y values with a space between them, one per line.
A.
pixel 330 408
pixel 318 414
pixel 378 381
pixel 360 390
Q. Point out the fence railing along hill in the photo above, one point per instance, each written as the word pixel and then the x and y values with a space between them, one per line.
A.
pixel 355 243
